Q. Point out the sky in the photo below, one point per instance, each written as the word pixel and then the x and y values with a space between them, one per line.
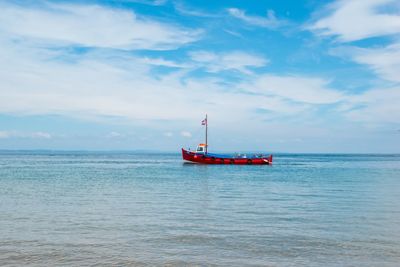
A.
pixel 275 76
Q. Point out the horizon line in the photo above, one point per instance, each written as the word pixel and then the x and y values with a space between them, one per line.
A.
pixel 178 152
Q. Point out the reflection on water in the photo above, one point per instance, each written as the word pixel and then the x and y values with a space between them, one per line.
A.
pixel 151 209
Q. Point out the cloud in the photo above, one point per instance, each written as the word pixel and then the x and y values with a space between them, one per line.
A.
pixel 295 88
pixel 359 19
pixel 168 134
pixel 270 21
pixel 5 134
pixel 186 134
pixel 41 80
pixel 236 60
pixel 17 134
pixel 91 26
pixel 185 10
pixel 40 135
pixel 34 82
pixel 115 135
pixel 384 61
pixel 379 105
pixel 163 62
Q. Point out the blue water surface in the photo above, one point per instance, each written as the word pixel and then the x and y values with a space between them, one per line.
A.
pixel 138 209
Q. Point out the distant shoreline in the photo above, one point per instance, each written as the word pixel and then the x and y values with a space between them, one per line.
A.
pixel 140 151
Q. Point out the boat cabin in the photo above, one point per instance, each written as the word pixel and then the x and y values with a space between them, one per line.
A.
pixel 201 148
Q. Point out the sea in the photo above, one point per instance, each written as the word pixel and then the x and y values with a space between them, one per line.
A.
pixel 151 209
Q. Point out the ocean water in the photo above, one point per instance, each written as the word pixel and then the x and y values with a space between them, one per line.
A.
pixel 137 209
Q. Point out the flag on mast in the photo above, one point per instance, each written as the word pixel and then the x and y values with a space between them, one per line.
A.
pixel 204 122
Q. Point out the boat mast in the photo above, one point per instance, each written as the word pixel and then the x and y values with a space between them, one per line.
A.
pixel 206 132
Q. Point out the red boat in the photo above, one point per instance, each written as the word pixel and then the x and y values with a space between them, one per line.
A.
pixel 201 155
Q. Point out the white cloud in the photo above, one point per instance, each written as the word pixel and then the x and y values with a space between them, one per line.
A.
pixel 36 80
pixel 32 82
pixel 5 134
pixel 115 135
pixel 186 134
pixel 380 105
pixel 384 61
pixel 40 135
pixel 359 19
pixel 185 10
pixel 95 85
pixel 270 21
pixel 236 60
pixel 18 134
pixel 163 62
pixel 168 134
pixel 92 26
pixel 295 88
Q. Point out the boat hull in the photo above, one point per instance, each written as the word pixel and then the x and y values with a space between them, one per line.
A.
pixel 215 159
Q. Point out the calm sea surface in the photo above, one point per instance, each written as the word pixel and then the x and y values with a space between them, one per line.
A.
pixel 130 209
